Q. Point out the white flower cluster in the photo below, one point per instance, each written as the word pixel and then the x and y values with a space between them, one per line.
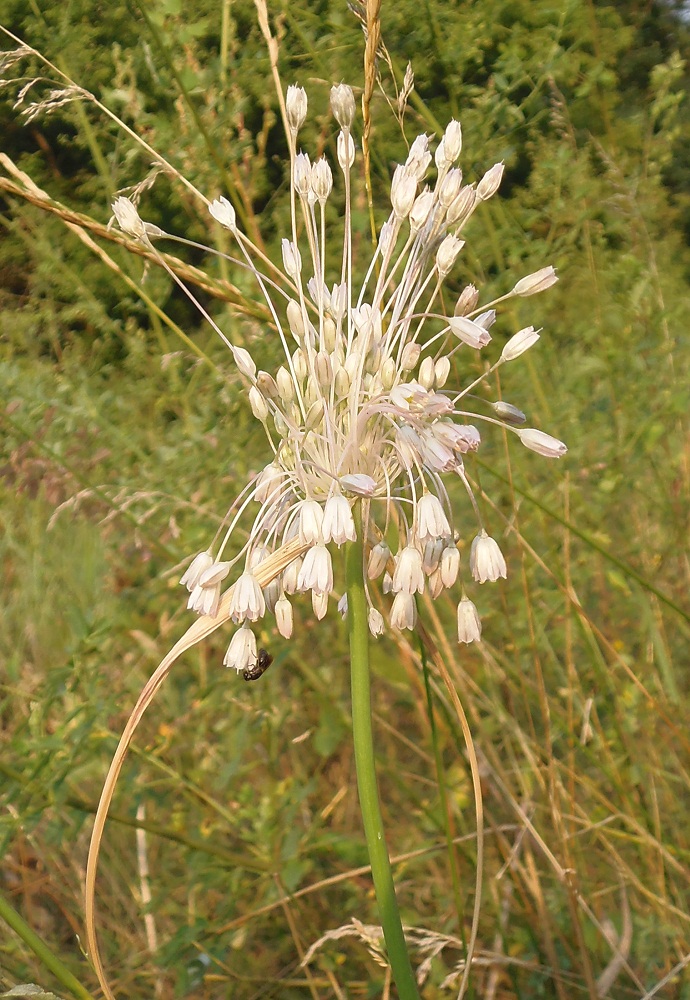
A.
pixel 360 410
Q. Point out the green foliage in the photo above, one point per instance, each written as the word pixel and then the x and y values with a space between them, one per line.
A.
pixel 122 450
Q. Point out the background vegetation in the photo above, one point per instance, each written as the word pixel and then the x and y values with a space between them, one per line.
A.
pixel 124 438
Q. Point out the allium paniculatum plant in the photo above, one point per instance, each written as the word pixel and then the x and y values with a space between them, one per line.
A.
pixel 361 407
pixel 363 430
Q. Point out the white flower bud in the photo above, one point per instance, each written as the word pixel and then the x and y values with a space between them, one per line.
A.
pixel 462 206
pixel 519 343
pixel 450 564
pixel 285 385
pixel 440 158
pixel 342 607
pixel 467 301
pixel 339 301
pixel 330 334
pixel 452 140
pixel 244 362
pixel 314 415
pixel 387 583
pixel 388 373
pixel 419 157
pixel 296 107
pixel 542 443
pixel 258 404
pixel 486 559
pixel 319 603
pixel 410 356
pixel 223 212
pixel 299 364
pixel 271 594
pixel 490 182
pixel 486 319
pixel 403 191
pixel 359 484
pixel 283 613
pixel 469 622
pixel 446 254
pixel 302 175
pixel 450 188
pixel 343 105
pixel 427 373
pixel 442 371
pixel 469 332
pixel 295 319
pixel 346 151
pixel 508 412
pixel 378 560
pixel 342 383
pixel 420 210
pixel 267 384
pixel 280 424
pixel 268 483
pixel 436 454
pixel 291 576
pixel 292 259
pixel 537 282
pixel 324 369
pixel 376 623
pixel 321 180
pixel 432 555
pixel 409 445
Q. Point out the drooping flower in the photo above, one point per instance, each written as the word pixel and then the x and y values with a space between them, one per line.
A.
pixel 469 622
pixel 360 409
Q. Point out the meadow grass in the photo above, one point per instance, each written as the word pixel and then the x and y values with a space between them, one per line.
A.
pixel 125 438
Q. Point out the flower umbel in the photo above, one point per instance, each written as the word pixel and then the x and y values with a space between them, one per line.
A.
pixel 361 410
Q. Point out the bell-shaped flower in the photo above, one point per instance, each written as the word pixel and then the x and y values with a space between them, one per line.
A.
pixel 283 613
pixel 247 602
pixel 486 559
pixel 241 653
pixel 199 564
pixel 542 443
pixel 408 576
pixel 469 622
pixel 317 571
pixel 403 611
pixel 430 519
pixel 338 524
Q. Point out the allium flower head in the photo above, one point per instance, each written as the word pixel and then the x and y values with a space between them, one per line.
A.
pixel 365 405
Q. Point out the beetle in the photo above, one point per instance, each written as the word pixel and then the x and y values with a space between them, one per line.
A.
pixel 264 660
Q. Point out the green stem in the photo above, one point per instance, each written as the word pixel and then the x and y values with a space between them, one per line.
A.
pixel 362 734
pixel 42 951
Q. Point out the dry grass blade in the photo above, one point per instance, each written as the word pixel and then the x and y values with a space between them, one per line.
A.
pixel 201 629
pixel 82 226
pixel 28 50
